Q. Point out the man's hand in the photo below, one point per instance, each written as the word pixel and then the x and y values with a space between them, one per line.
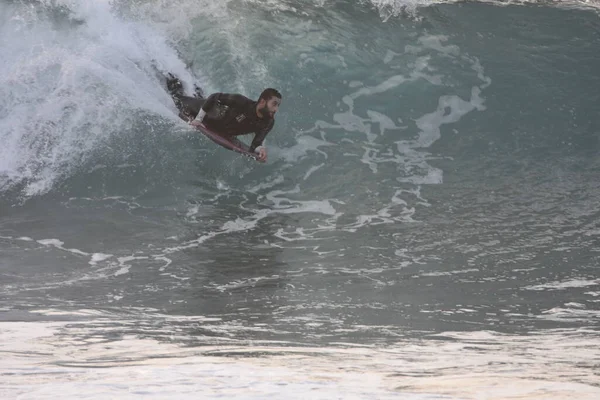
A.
pixel 195 122
pixel 262 154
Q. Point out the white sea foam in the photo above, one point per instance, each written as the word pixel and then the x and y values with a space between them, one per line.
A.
pixel 571 283
pixel 59 245
pixel 312 170
pixel 305 144
pixel 73 359
pixel 98 257
pixel 395 8
pixel 570 313
pixel 81 75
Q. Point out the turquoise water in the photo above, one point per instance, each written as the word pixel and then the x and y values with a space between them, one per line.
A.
pixel 430 189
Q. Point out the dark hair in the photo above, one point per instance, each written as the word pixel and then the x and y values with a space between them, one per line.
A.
pixel 268 93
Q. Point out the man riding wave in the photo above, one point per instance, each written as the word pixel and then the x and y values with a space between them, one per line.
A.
pixel 229 114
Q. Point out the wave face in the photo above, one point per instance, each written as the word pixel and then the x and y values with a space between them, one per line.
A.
pixel 431 183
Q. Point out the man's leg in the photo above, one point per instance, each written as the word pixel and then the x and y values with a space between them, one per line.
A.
pixel 198 92
pixel 188 106
pixel 174 85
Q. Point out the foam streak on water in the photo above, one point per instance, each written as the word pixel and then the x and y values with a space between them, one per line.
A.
pixel 43 358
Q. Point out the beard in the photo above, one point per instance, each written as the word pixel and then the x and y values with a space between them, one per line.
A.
pixel 264 111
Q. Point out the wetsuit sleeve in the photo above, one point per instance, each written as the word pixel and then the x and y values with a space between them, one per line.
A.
pixel 230 100
pixel 260 136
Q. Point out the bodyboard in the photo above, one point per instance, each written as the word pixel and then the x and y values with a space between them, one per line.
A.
pixel 229 143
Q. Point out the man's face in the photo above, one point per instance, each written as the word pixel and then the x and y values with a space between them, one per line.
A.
pixel 270 107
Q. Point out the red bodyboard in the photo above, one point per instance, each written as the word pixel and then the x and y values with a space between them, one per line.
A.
pixel 230 143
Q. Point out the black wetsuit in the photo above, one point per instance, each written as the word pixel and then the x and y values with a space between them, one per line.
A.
pixel 227 114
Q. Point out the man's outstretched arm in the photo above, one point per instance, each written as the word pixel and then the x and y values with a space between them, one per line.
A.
pixel 257 143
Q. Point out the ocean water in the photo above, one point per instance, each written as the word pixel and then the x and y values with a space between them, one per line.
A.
pixel 426 226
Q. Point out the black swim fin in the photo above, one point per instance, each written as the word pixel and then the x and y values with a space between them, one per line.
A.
pixel 174 86
pixel 198 92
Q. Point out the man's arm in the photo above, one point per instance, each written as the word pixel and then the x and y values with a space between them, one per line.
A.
pixel 260 136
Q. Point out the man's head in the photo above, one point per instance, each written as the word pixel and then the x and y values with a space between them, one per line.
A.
pixel 268 103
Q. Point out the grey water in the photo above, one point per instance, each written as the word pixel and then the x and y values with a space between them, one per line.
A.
pixel 431 189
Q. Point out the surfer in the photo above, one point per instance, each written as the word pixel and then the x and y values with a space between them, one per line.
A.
pixel 229 114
